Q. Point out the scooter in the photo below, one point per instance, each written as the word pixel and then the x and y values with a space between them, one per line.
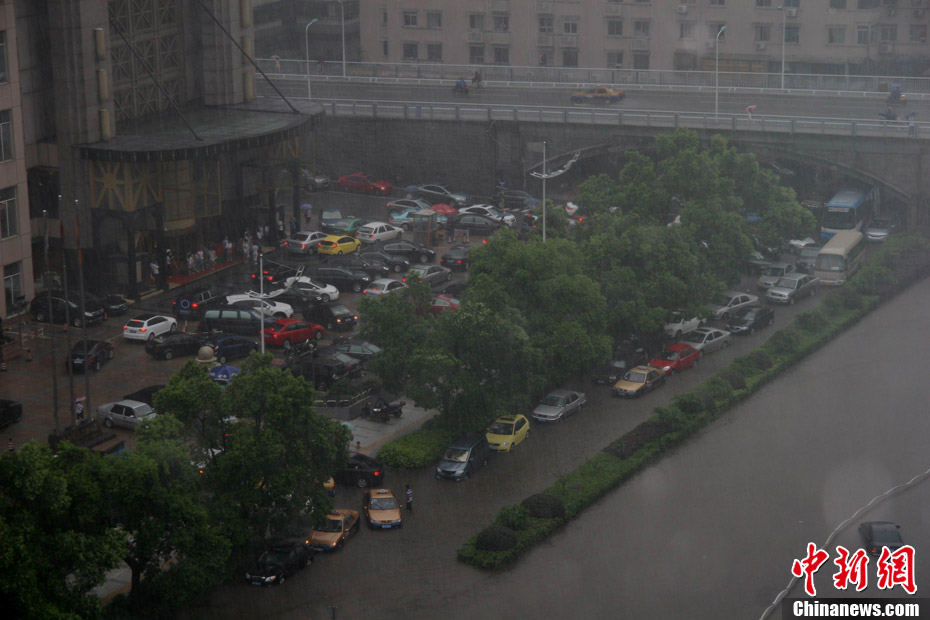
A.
pixel 458 89
pixel 888 115
pixel 389 409
pixel 375 413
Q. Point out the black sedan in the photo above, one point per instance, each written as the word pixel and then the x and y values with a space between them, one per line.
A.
pixel 230 346
pixel 374 268
pixel 279 562
pixel 343 278
pixel 332 316
pixel 395 263
pixel 10 412
pixel 358 348
pixel 409 250
pixel 297 298
pixel 878 534
pixel 169 346
pixel 455 288
pixel 362 471
pixel 750 318
pixel 89 354
pixel 478 224
pixel 515 199
pixel 113 304
pixel 456 258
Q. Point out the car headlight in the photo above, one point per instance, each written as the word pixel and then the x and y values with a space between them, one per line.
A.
pixel 665 368
pixel 505 443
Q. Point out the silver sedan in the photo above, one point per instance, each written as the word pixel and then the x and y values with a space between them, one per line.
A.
pixel 707 339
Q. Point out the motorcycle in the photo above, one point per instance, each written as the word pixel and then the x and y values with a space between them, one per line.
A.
pixel 375 413
pixel 896 96
pixel 458 89
pixel 388 409
pixel 888 115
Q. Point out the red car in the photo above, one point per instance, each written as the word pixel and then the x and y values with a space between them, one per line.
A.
pixel 288 332
pixel 364 183
pixel 676 357
pixel 441 303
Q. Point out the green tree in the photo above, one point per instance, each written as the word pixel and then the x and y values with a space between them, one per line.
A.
pixel 392 322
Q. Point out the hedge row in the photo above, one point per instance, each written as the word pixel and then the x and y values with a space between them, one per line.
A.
pixel 898 264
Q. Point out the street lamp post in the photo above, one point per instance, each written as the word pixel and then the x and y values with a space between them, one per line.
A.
pixel 307 41
pixel 551 175
pixel 717 69
pixel 784 42
pixel 342 8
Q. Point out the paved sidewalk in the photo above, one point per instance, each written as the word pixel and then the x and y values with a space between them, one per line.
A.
pixel 369 435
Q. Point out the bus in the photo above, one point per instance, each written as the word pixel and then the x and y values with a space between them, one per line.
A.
pixel 840 258
pixel 847 210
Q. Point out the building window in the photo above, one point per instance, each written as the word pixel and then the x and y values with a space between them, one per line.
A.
pixel 569 58
pixel 794 4
pixel 434 20
pixel 641 62
pixel 763 32
pixel 501 55
pixel 384 48
pixel 614 27
pixel 2 56
pixel 889 32
pixel 410 19
pixel 6 136
pixel 434 52
pixel 714 29
pixel 640 29
pixel 13 283
pixel 862 35
pixel 570 26
pixel 501 23
pixel 763 4
pixel 718 2
pixel 476 22
pixel 476 54
pixel 837 4
pixel 686 30
pixel 545 57
pixel 793 34
pixel 9 223
pixel 918 33
pixel 614 60
pixel 865 5
pixel 384 15
pixel 410 51
pixel 546 25
pixel 836 35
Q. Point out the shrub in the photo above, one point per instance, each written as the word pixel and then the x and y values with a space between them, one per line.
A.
pixel 644 433
pixel 848 298
pixel 496 538
pixel 689 403
pixel 754 362
pixel 418 449
pixel 812 320
pixel 544 506
pixel 875 280
pixel 515 517
pixel 784 342
pixel 734 377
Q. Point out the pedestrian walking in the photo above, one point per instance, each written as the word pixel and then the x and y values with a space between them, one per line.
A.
pixel 9 445
pixel 409 492
pixel 153 266
pixel 255 253
pixel 79 408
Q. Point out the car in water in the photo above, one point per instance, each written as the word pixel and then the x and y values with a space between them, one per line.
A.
pixel 750 318
pixel 342 277
pixel 507 432
pixel 228 347
pixel 372 232
pixel 676 357
pixel 288 332
pixel 125 413
pixel 430 274
pixel 792 287
pixel 877 535
pixel 169 346
pixel 879 229
pixel 413 252
pixel 304 242
pixel 89 354
pixel 278 562
pixel 730 303
pixel 435 193
pixel 362 471
pixel 337 245
pixel 489 212
pixel 558 405
pixel 638 381
pixel 346 226
pixel 456 258
pixel 384 286
pixel 772 273
pixel 679 325
pixel 332 316
pixel 381 509
pixel 340 525
pixel 463 457
pixel 326 292
pixel 395 263
pixel 707 339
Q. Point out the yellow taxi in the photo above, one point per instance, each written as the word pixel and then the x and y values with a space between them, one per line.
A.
pixel 637 381
pixel 381 509
pixel 340 525
pixel 506 432
pixel 598 94
pixel 337 244
pixel 330 486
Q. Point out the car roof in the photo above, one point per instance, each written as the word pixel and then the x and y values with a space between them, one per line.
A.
pixel 679 346
pixel 143 317
pixel 794 276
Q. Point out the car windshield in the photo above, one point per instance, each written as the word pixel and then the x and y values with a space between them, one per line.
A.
pixel 502 428
pixel 774 271
pixel 885 534
pixel 339 310
pixel 810 252
pixel 787 283
pixel 635 376
pixel 456 455
pixel 553 401
pixel 748 316
pixel 331 525
pixel 383 503
pixel 880 223
pixel 694 337
pixel 668 355
pixel 830 262
pixel 273 557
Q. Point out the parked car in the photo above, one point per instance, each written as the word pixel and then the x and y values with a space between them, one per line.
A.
pixel 414 252
pixel 404 204
pixel 750 318
pixel 11 412
pixel 89 354
pixel 327 292
pixel 322 371
pixel 406 218
pixel 358 348
pixel 558 405
pixel 145 395
pixel 228 347
pixel 381 509
pixel 440 304
pixel 329 216
pixel 112 304
pixel 362 471
pixel 270 307
pixel 374 269
pixel 772 273
pixel 314 181
pixel 456 258
pixel 299 299
pixel 675 358
pixel 434 193
pixel 169 346
pixel 331 316
pixel 372 232
pixel 463 457
pixel 348 226
pixel 191 304
pixel 62 310
pixel 338 245
pixel 877 535
pixel 879 229
pixel 515 199
pixel 341 524
pixel 383 286
pixel 395 263
pixel 304 242
pixel 491 213
pixel 477 224
pixel 453 288
pixel 609 372
pixel 731 302
pixel 679 325
pixel 364 183
pixel 243 321
pixel 508 432
pixel 707 339
pixel 598 94
pixel 807 257
pixel 126 413
pixel 431 274
pixel 352 365
pixel 278 562
pixel 288 332
pixel 638 381
pixel 792 287
pixel 342 278
pixel 146 326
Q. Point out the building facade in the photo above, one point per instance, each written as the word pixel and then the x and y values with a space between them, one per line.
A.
pixel 319 30
pixel 877 37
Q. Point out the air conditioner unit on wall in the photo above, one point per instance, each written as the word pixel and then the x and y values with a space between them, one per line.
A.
pixel 682 8
pixel 709 45
pixel 760 46
pixel 792 12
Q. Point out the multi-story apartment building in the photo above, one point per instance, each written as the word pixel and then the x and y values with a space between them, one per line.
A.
pixel 820 36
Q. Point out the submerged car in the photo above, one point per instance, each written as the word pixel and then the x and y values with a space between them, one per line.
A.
pixel 340 525
pixel 879 534
pixel 747 320
pixel 639 381
pixel 381 509
pixel 558 405
pixel 277 563
pixel 675 358
pixel 507 432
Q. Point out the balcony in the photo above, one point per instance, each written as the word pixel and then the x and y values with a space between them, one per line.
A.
pixel 499 38
pixel 640 44
pixel 500 6
pixel 568 40
pixel 545 40
pixel 545 7
pixel 475 36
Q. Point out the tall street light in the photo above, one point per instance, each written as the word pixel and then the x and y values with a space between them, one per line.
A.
pixel 784 42
pixel 307 41
pixel 342 8
pixel 551 175
pixel 717 69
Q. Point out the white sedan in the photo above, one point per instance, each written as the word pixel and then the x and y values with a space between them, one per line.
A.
pixel 148 326
pixel 679 325
pixel 327 291
pixel 491 213
pixel 275 309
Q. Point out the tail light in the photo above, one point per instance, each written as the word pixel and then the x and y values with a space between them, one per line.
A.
pixel 195 305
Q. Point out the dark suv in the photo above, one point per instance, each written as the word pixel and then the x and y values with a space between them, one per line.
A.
pixel 414 252
pixel 343 278
pixel 63 310
pixel 190 305
pixel 332 316
pixel 362 471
